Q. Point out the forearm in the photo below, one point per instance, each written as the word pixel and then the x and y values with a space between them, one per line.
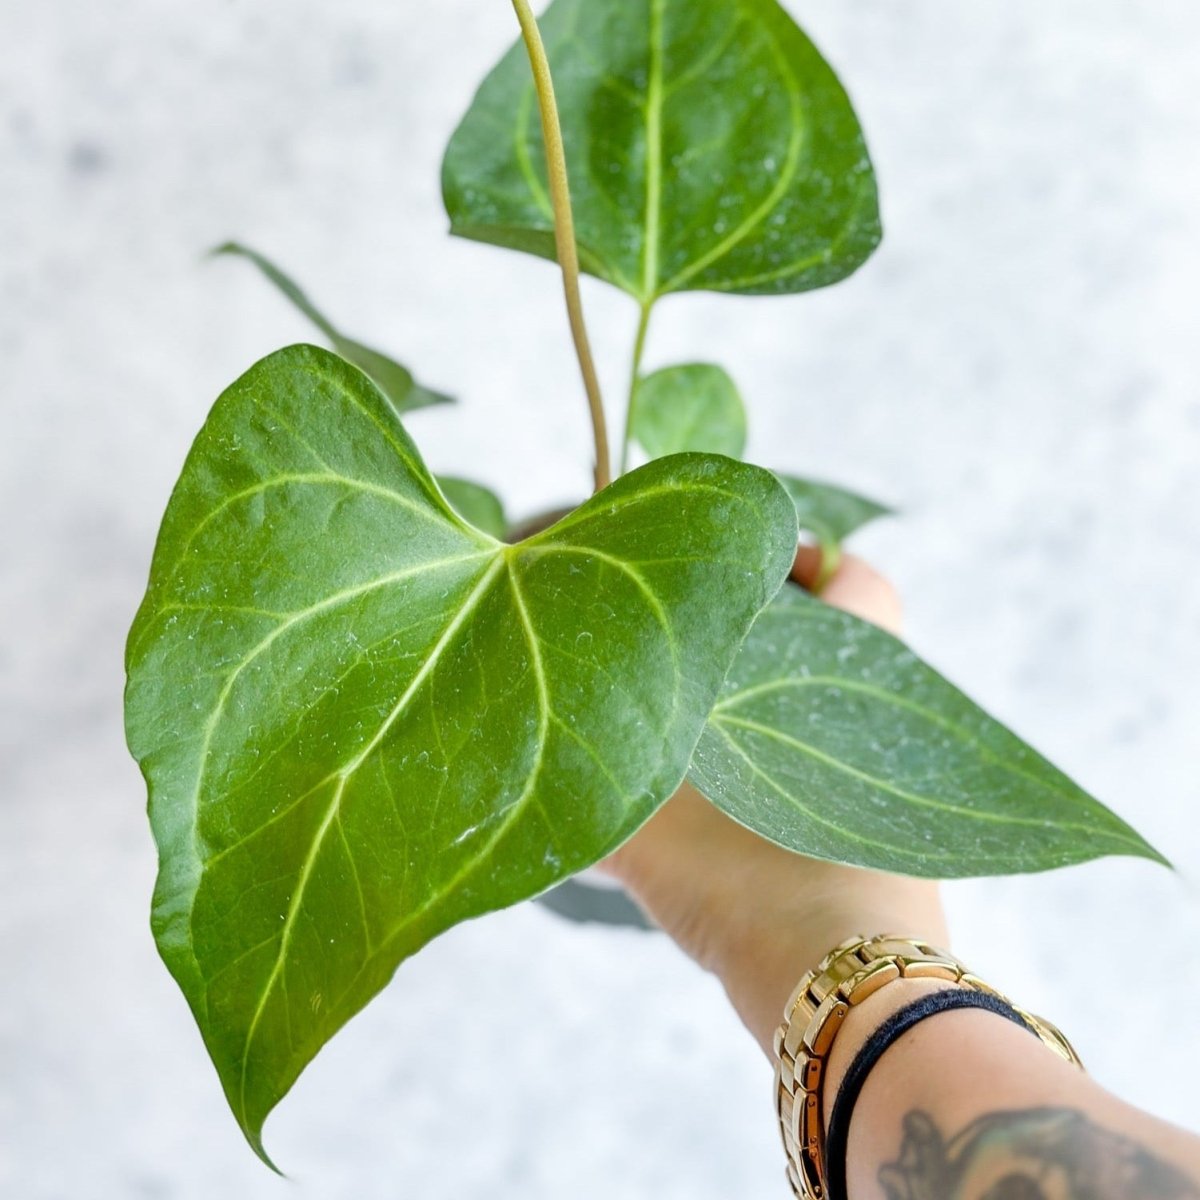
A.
pixel 969 1106
pixel 796 924
pixel 967 1085
pixel 965 1105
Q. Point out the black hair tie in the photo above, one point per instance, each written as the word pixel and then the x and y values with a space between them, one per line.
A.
pixel 837 1135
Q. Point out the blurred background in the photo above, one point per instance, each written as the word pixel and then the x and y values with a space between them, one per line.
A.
pixel 1015 370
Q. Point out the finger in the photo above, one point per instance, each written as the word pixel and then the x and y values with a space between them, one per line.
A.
pixel 807 567
pixel 688 819
pixel 859 589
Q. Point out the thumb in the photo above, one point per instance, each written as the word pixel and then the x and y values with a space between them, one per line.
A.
pixel 855 587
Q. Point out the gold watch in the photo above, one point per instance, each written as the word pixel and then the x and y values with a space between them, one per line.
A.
pixel 846 976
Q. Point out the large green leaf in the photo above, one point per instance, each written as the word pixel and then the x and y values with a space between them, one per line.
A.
pixel 832 738
pixel 709 144
pixel 692 407
pixel 362 721
pixel 395 381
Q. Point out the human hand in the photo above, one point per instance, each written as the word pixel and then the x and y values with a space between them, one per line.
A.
pixel 756 915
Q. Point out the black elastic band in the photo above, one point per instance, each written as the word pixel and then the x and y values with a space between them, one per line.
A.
pixel 886 1036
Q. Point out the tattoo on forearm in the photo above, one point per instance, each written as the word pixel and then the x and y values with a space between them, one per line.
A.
pixel 1034 1154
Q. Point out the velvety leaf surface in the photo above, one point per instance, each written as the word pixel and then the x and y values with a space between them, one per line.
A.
pixel 709 146
pixel 395 381
pixel 832 738
pixel 693 407
pixel 362 721
pixel 477 504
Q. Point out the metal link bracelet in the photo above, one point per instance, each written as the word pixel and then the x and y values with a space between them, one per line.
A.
pixel 845 977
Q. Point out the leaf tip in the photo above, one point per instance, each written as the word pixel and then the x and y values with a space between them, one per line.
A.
pixel 434 397
pixel 254 1137
pixel 1154 855
pixel 251 1116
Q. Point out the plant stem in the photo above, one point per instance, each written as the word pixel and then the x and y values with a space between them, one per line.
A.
pixel 635 374
pixel 564 231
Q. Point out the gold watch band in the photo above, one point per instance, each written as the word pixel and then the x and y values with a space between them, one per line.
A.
pixel 846 976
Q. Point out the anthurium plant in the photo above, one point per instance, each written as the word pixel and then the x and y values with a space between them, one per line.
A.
pixel 365 713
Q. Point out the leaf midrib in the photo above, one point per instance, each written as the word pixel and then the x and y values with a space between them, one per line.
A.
pixel 800 264
pixel 328 603
pixel 505 558
pixel 545 718
pixel 888 698
pixel 787 177
pixel 812 813
pixel 343 776
pixel 912 797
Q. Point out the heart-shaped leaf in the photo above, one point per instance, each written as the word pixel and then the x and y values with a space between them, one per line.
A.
pixel 395 381
pixel 833 739
pixel 479 506
pixel 709 145
pixel 693 407
pixel 362 721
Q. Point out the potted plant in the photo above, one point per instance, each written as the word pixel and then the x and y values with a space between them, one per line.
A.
pixel 365 713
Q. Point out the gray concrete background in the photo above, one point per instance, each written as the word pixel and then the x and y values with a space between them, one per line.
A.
pixel 1016 369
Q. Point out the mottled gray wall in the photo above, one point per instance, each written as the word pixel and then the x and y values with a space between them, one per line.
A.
pixel 1016 369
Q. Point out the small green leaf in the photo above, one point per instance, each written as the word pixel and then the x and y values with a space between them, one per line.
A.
pixel 693 407
pixel 589 904
pixel 709 144
pixel 395 381
pixel 362 721
pixel 833 739
pixel 830 513
pixel 480 507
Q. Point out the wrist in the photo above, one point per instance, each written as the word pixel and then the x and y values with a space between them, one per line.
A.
pixel 852 1008
pixel 761 962
pixel 864 1019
